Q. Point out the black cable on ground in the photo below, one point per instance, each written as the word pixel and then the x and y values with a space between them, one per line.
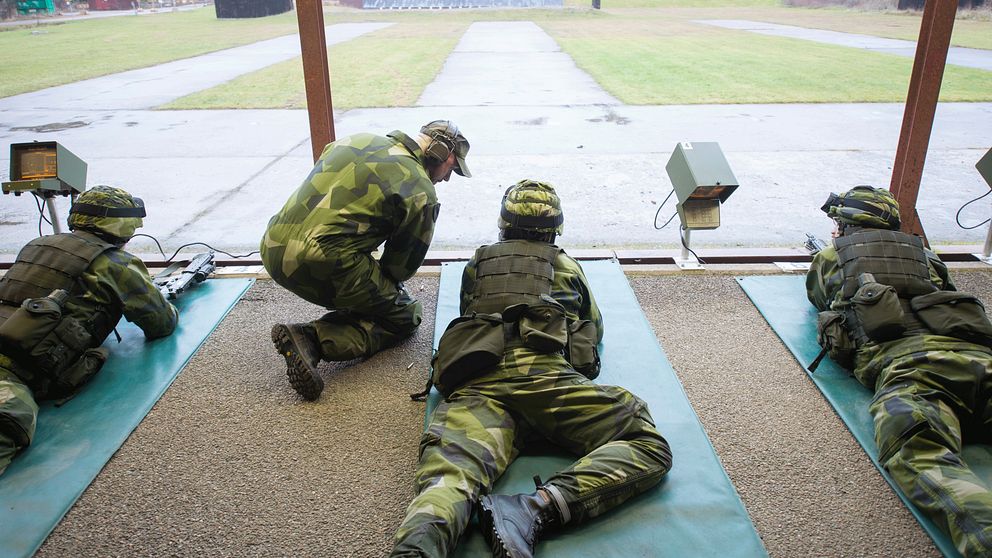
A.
pixel 174 254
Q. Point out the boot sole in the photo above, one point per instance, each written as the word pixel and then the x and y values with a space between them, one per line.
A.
pixel 489 532
pixel 304 380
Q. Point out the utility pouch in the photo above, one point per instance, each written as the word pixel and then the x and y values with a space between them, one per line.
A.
pixel 878 311
pixel 470 346
pixel 582 352
pixel 543 328
pixel 954 314
pixel 29 325
pixel 79 373
pixel 832 335
pixel 60 348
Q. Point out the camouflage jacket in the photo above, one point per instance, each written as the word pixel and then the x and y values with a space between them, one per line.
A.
pixel 118 283
pixel 570 287
pixel 823 288
pixel 363 191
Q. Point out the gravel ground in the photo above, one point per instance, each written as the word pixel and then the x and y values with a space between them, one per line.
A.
pixel 230 462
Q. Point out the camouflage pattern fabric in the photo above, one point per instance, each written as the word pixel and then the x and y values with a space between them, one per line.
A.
pixel 116 283
pixel 481 428
pixel 864 206
pixel 106 196
pixel 931 394
pixel 365 190
pixel 18 414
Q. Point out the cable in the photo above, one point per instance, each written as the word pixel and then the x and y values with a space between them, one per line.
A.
pixel 176 253
pixel 41 216
pixel 656 213
pixel 957 216
pixel 686 246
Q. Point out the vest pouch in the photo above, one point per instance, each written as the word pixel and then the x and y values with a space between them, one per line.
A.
pixel 878 310
pixel 832 335
pixel 78 374
pixel 582 352
pixel 954 314
pixel 543 328
pixel 60 348
pixel 29 324
pixel 470 346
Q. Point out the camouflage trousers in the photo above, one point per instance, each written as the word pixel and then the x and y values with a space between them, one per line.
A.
pixel 475 435
pixel 925 404
pixel 369 311
pixel 18 416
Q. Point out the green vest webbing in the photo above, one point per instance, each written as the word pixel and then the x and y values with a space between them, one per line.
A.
pixel 894 258
pixel 512 272
pixel 45 264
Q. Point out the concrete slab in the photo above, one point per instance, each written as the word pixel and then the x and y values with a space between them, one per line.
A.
pixel 608 163
pixel 958 56
pixel 149 87
pixel 511 63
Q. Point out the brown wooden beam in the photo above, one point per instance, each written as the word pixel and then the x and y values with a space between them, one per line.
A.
pixel 316 76
pixel 921 104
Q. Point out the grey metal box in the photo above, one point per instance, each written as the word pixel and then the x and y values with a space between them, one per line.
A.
pixel 984 166
pixel 703 179
pixel 44 167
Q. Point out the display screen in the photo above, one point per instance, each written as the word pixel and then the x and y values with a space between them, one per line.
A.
pixel 37 163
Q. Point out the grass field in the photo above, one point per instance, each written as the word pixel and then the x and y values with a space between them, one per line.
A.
pixel 388 68
pixel 649 53
pixel 659 60
pixel 54 54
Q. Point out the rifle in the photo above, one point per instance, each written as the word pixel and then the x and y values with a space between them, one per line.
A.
pixel 201 266
pixel 813 244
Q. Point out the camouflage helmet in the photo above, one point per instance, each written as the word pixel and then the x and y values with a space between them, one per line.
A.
pixel 533 206
pixel 107 211
pixel 864 206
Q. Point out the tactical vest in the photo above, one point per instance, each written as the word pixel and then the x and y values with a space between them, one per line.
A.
pixel 512 272
pixel 44 265
pixel 892 258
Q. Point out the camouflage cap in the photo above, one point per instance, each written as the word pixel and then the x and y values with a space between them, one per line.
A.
pixel 531 205
pixel 447 132
pixel 864 206
pixel 108 211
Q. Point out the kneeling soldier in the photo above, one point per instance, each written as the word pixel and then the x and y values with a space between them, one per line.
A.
pixel 62 297
pixel 516 367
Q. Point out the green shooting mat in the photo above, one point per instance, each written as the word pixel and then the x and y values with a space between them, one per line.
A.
pixel 73 442
pixel 694 511
pixel 782 301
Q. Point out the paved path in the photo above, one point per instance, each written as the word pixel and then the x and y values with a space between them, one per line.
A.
pixel 219 175
pixel 970 57
pixel 149 87
pixel 511 63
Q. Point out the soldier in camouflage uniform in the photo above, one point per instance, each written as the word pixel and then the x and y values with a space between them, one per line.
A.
pixel 364 190
pixel 932 386
pixel 101 283
pixel 529 395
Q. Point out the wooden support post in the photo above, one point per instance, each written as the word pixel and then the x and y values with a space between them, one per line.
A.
pixel 316 76
pixel 921 104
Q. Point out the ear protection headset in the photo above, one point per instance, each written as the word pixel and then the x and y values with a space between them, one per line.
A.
pixel 442 141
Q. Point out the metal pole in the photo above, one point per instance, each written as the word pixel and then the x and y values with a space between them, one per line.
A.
pixel 56 226
pixel 685 246
pixel 921 104
pixel 316 76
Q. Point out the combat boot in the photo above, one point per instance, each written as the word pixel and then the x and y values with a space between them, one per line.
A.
pixel 297 343
pixel 513 525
